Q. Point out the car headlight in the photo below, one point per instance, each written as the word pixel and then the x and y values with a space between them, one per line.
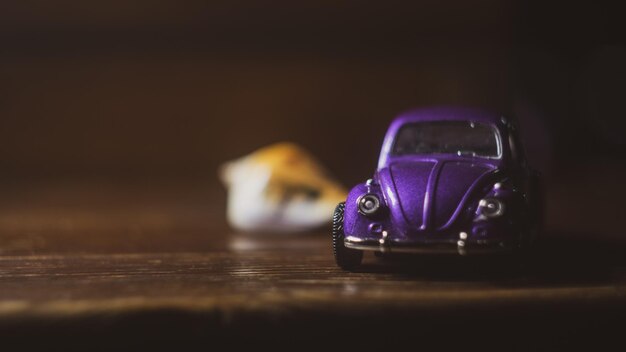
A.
pixel 368 204
pixel 491 207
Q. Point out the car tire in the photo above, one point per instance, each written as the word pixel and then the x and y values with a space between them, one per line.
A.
pixel 346 258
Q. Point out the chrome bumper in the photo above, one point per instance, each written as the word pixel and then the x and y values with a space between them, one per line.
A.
pixel 466 248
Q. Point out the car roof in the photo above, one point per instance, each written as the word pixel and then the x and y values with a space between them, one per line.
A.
pixel 448 114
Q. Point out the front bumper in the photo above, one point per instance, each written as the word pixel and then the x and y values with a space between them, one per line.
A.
pixel 440 247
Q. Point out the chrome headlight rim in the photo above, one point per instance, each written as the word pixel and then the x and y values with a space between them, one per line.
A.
pixel 364 208
pixel 491 207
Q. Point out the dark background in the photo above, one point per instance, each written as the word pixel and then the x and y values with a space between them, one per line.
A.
pixel 115 116
pixel 171 89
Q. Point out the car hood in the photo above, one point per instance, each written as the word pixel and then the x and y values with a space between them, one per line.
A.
pixel 430 194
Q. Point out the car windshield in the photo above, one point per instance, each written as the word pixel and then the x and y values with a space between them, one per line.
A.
pixel 462 138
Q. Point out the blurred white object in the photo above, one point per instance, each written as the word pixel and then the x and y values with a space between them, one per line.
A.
pixel 279 188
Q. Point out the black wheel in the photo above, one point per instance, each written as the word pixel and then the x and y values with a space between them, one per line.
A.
pixel 517 261
pixel 346 258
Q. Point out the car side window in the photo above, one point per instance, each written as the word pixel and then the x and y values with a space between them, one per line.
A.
pixel 513 147
pixel 517 152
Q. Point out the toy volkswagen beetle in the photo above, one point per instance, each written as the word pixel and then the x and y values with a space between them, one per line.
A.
pixel 449 180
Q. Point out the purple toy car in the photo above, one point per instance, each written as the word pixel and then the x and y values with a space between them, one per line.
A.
pixel 449 180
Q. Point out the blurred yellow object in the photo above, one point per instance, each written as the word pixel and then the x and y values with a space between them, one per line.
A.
pixel 280 187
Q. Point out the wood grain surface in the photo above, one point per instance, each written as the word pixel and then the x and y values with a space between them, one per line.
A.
pixel 104 265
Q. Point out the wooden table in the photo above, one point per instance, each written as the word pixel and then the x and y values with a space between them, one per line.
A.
pixel 104 265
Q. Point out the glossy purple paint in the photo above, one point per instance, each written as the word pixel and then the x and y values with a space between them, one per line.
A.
pixel 433 198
